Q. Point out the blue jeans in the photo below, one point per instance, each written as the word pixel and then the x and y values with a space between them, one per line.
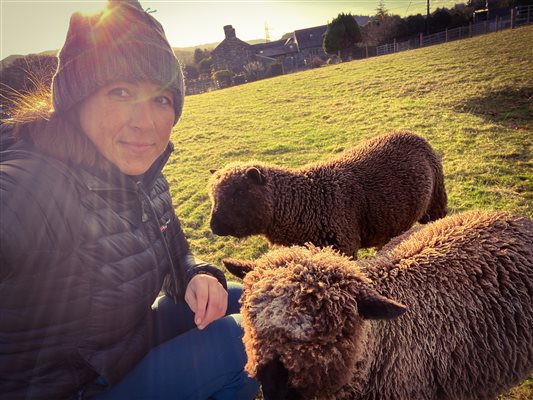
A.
pixel 190 364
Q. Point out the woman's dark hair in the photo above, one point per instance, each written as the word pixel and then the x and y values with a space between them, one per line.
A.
pixel 56 134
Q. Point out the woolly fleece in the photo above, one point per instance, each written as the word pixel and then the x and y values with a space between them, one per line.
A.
pixel 335 324
pixel 361 198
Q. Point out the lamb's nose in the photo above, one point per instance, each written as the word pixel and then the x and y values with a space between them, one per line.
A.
pixel 217 226
pixel 274 379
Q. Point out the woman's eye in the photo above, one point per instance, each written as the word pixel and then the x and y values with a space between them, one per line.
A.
pixel 163 100
pixel 120 92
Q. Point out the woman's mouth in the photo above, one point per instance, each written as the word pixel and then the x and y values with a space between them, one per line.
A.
pixel 138 148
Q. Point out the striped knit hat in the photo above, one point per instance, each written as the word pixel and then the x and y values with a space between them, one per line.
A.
pixel 123 42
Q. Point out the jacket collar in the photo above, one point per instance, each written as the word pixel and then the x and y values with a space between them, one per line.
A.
pixel 111 178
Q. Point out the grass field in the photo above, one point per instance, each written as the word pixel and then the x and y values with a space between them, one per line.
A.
pixel 471 99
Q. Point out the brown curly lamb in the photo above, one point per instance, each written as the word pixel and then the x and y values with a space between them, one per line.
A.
pixel 361 198
pixel 319 325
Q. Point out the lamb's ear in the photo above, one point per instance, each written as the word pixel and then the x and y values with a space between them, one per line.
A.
pixel 239 268
pixel 212 171
pixel 375 306
pixel 256 176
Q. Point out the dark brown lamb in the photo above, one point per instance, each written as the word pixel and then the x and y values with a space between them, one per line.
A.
pixel 319 325
pixel 361 198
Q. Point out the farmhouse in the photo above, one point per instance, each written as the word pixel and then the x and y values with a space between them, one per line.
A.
pixel 232 53
pixel 277 52
pixel 309 43
pixel 295 52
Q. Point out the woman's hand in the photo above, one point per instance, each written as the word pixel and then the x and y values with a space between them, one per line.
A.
pixel 207 299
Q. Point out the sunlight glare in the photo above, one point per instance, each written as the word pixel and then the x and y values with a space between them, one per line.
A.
pixel 91 7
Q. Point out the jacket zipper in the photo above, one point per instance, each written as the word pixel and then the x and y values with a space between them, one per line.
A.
pixel 161 236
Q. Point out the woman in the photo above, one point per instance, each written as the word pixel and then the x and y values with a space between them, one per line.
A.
pixel 88 235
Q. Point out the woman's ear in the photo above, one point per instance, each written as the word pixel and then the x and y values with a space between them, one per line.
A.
pixel 238 268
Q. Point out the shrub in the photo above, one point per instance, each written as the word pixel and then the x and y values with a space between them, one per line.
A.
pixel 222 78
pixel 254 71
pixel 316 62
pixel 276 69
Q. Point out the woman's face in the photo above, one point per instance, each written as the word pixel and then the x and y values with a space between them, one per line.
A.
pixel 129 122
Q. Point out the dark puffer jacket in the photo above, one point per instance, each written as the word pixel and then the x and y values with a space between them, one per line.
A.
pixel 83 255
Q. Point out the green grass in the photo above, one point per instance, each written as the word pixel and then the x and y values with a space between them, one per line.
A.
pixel 471 99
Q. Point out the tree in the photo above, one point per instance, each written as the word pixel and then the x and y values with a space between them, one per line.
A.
pixel 459 18
pixel 415 24
pixel 342 35
pixel 381 11
pixel 204 67
pixel 439 20
pixel 190 72
pixel 378 32
pixel 200 55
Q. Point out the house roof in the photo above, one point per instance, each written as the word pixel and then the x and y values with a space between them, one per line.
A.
pixel 269 45
pixel 310 37
pixel 275 48
pixel 230 42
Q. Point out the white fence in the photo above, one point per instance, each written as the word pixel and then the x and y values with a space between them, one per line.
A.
pixel 521 15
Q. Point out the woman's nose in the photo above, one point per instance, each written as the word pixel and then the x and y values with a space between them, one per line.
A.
pixel 142 116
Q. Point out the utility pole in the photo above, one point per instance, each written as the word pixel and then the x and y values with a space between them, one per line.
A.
pixel 267 32
pixel 427 18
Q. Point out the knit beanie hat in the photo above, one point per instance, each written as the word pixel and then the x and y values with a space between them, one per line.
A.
pixel 123 42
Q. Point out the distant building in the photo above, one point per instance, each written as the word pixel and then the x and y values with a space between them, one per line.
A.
pixel 490 13
pixel 309 44
pixel 294 52
pixel 278 51
pixel 232 53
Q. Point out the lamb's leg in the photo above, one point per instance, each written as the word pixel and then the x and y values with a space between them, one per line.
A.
pixel 274 379
pixel 350 246
pixel 438 207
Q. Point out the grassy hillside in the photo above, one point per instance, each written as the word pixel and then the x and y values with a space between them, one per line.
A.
pixel 471 99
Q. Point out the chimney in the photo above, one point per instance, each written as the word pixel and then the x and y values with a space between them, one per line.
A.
pixel 229 31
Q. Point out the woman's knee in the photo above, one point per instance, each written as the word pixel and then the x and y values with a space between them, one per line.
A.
pixel 231 360
pixel 228 328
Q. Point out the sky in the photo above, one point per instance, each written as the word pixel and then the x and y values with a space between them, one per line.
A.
pixel 33 26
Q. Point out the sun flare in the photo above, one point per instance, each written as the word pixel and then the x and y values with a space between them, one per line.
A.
pixel 91 7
